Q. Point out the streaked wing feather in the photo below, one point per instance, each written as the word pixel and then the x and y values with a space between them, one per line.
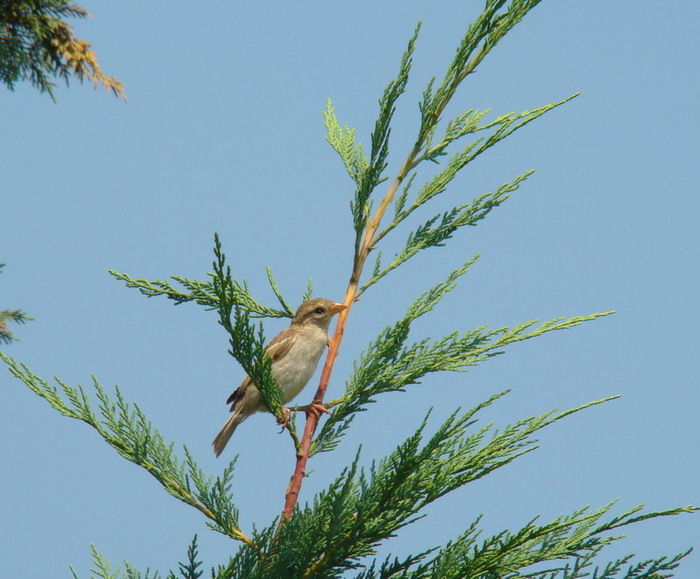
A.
pixel 238 393
pixel 281 343
pixel 278 347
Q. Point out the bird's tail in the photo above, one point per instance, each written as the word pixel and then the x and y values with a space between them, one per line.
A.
pixel 225 433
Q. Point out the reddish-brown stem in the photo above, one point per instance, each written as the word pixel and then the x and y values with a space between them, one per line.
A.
pixel 302 456
pixel 294 487
pixel 369 238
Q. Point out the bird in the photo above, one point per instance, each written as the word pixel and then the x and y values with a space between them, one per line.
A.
pixel 295 353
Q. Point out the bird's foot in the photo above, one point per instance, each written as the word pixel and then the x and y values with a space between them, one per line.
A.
pixel 315 408
pixel 286 417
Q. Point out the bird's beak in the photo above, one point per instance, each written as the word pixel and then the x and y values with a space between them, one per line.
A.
pixel 335 308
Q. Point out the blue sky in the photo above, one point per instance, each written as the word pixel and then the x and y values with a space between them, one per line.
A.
pixel 223 132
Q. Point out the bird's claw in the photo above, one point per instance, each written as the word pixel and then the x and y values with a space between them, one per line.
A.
pixel 286 417
pixel 315 408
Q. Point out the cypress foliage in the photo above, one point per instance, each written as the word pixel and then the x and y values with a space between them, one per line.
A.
pixel 38 44
pixel 337 532
pixel 15 316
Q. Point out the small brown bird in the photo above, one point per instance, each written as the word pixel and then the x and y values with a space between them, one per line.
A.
pixel 295 353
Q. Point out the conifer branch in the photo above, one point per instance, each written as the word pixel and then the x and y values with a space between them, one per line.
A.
pixel 367 174
pixel 125 428
pixel 14 316
pixel 275 288
pixel 390 366
pixel 37 43
pixel 202 293
pixel 362 507
pixel 437 230
pixel 246 345
pixel 573 538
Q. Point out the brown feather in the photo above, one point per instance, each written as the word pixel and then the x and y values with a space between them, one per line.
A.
pixel 278 347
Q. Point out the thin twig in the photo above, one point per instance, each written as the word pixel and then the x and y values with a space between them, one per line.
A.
pixel 302 456
pixel 369 239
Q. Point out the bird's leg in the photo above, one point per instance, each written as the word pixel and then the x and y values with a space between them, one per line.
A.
pixel 286 417
pixel 315 408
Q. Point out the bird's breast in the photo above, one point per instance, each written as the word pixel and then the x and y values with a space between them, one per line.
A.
pixel 296 367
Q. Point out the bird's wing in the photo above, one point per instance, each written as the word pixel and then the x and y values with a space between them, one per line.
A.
pixel 278 347
pixel 238 393
pixel 281 343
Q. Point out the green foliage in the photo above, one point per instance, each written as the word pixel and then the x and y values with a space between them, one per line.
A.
pixel 482 36
pixel 650 569
pixel 363 508
pixel 388 365
pixel 126 428
pixel 342 139
pixel 37 44
pixel 380 138
pixel 438 229
pixel 203 294
pixel 340 530
pixel 26 34
pixel 247 345
pixel 103 567
pixel 575 538
pixel 190 570
pixel 16 316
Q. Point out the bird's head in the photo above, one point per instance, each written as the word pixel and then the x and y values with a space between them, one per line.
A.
pixel 317 312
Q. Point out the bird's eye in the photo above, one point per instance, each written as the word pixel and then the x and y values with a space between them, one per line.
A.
pixel 320 310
